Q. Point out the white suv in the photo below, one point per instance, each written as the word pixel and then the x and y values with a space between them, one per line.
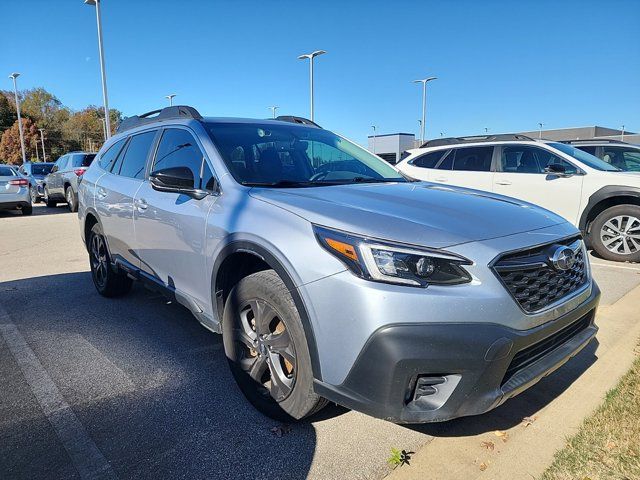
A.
pixel 599 198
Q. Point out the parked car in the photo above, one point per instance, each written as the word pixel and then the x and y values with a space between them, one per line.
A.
pixel 622 155
pixel 330 275
pixel 61 185
pixel 599 198
pixel 35 173
pixel 14 191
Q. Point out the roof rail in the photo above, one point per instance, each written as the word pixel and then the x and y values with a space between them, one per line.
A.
pixel 178 111
pixel 294 119
pixel 438 142
pixel 594 140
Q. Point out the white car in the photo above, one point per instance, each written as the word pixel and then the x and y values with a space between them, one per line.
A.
pixel 599 198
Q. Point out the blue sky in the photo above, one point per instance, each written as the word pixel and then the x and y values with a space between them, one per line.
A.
pixel 505 65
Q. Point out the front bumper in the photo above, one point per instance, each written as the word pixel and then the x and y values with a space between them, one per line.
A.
pixel 478 365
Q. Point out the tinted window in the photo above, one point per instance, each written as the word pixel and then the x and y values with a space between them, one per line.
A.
pixel 474 159
pixel 208 180
pixel 584 157
pixel 273 152
pixel 82 160
pixel 135 157
pixel 178 148
pixel 589 149
pixel 6 172
pixel 623 158
pixel 447 162
pixel 41 169
pixel 61 163
pixel 108 157
pixel 429 160
pixel 527 159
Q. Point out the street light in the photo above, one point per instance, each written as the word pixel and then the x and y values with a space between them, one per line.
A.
pixel 13 76
pixel 44 153
pixel 424 102
pixel 311 56
pixel 273 110
pixel 170 98
pixel 622 134
pixel 103 73
pixel 540 130
pixel 374 138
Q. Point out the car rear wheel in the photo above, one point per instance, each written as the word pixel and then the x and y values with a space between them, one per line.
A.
pixel 267 350
pixel 71 199
pixel 108 281
pixel 50 203
pixel 27 210
pixel 615 233
pixel 33 194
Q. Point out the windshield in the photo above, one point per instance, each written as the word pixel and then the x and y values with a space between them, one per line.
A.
pixel 584 157
pixel 282 155
pixel 41 169
pixel 7 172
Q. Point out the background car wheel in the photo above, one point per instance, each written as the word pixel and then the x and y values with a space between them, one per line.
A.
pixel 71 199
pixel 615 233
pixel 267 349
pixel 33 194
pixel 27 210
pixel 108 282
pixel 50 203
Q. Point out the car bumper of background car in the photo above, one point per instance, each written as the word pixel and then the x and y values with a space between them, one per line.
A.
pixel 417 373
pixel 11 201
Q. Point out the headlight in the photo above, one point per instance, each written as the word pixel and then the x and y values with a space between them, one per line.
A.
pixel 392 263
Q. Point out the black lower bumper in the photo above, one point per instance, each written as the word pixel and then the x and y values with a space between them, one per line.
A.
pixel 12 205
pixel 418 373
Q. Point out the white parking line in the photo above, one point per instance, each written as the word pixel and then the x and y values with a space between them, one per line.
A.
pixel 622 267
pixel 84 453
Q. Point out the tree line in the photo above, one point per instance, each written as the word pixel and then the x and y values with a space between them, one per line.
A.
pixel 64 130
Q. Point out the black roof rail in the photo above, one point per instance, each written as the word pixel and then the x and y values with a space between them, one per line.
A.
pixel 439 142
pixel 177 111
pixel 294 119
pixel 594 140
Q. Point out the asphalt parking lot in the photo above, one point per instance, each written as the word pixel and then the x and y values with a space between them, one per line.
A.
pixel 136 388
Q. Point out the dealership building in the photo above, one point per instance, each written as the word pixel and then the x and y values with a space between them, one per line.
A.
pixel 392 146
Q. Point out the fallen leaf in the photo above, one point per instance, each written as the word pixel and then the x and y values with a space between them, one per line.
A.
pixel 488 445
pixel 526 421
pixel 483 466
pixel 500 433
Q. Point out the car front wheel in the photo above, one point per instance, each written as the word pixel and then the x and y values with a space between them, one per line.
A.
pixel 267 350
pixel 50 203
pixel 615 233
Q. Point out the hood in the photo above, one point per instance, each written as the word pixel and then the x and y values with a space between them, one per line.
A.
pixel 416 213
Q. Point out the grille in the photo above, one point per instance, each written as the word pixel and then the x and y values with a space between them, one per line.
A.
pixel 526 357
pixel 532 279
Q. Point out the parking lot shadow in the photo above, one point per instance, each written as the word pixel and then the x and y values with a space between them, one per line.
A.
pixel 527 404
pixel 149 384
pixel 38 211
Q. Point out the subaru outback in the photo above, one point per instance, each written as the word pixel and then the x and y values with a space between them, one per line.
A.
pixel 330 275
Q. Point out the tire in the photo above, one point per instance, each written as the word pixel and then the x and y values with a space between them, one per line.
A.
pixel 72 201
pixel 33 194
pixel 27 210
pixel 108 281
pixel 278 348
pixel 615 233
pixel 50 203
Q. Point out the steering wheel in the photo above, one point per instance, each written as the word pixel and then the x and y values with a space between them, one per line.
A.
pixel 319 176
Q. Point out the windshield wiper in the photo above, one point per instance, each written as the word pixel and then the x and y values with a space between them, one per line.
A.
pixel 376 180
pixel 287 184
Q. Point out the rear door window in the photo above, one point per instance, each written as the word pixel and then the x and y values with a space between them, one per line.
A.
pixel 108 158
pixel 429 160
pixel 447 162
pixel 473 159
pixel 134 159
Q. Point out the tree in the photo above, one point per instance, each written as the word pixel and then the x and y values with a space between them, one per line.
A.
pixel 7 112
pixel 10 150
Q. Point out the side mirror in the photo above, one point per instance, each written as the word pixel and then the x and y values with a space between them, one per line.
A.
pixel 176 180
pixel 557 169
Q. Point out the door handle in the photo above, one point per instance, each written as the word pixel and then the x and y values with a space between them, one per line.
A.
pixel 440 179
pixel 142 204
pixel 101 193
pixel 503 182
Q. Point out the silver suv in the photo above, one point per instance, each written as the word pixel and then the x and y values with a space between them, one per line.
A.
pixel 330 275
pixel 61 185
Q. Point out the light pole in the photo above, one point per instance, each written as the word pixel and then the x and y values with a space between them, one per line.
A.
pixel 424 103
pixel 374 138
pixel 622 134
pixel 486 130
pixel 103 73
pixel 540 130
pixel 13 76
pixel 104 127
pixel 44 153
pixel 170 98
pixel 311 56
pixel 273 110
